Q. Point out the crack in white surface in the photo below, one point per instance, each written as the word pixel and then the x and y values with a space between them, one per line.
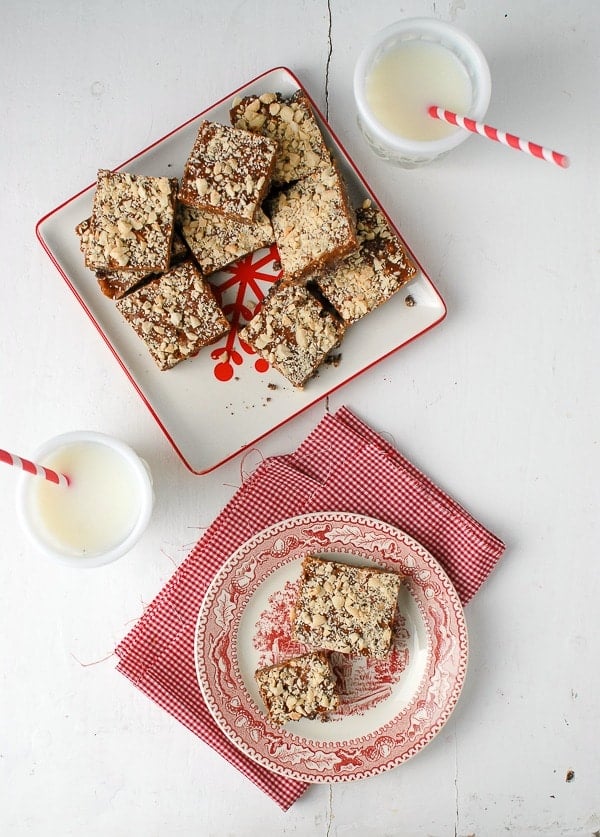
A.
pixel 328 62
pixel 329 811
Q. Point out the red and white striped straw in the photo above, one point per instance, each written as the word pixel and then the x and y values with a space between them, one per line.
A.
pixel 32 468
pixel 510 140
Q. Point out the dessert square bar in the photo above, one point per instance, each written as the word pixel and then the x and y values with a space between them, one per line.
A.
pixel 370 276
pixel 215 241
pixel 175 314
pixel 302 687
pixel 313 223
pixel 293 332
pixel 292 124
pixel 116 283
pixel 228 171
pixel 132 222
pixel 345 608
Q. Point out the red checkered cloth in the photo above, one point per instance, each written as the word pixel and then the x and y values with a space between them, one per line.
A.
pixel 342 466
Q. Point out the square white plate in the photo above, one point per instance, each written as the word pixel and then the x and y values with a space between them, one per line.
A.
pixel 215 405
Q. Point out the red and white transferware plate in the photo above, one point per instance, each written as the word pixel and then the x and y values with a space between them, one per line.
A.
pixel 389 709
pixel 250 398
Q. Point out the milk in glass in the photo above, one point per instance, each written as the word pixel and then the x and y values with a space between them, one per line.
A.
pixel 407 79
pixel 97 510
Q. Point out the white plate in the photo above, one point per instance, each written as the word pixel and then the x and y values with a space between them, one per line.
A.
pixel 390 709
pixel 211 409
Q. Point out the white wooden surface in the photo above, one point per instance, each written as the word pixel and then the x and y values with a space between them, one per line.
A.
pixel 499 404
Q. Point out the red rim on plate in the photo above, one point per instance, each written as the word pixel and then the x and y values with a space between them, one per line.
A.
pixel 252 400
pixel 389 709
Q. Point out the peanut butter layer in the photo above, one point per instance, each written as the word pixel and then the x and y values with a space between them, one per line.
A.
pixel 313 223
pixel 345 608
pixel 293 126
pixel 115 284
pixel 175 315
pixel 302 687
pixel 228 171
pixel 293 332
pixel 216 241
pixel 131 226
pixel 370 276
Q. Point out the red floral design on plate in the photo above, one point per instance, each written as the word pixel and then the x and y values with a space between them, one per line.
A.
pixel 362 681
pixel 239 290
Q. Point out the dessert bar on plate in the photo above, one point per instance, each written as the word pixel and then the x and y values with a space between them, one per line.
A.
pixel 229 380
pixel 345 608
pixel 301 687
pixel 143 242
pixel 293 332
pixel 216 242
pixel 228 171
pixel 175 315
pixel 367 278
pixel 390 707
pixel 313 222
pixel 289 121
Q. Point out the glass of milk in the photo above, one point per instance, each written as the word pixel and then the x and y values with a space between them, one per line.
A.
pixel 103 511
pixel 404 69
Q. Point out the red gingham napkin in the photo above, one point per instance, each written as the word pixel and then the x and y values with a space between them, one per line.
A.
pixel 342 466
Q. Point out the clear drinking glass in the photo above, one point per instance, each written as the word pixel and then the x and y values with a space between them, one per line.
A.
pixel 104 510
pixel 390 145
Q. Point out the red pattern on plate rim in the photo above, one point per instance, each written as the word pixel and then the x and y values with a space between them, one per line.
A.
pixel 376 743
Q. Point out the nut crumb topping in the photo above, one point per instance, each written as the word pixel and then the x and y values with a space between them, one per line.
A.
pixel 116 283
pixel 175 314
pixel 228 171
pixel 313 223
pixel 302 687
pixel 293 332
pixel 345 608
pixel 131 227
pixel 216 241
pixel 367 278
pixel 292 124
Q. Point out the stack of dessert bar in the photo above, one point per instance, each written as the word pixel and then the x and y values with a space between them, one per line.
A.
pixel 153 242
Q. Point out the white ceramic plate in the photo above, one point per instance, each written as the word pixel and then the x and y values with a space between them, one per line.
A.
pixel 215 405
pixel 390 709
